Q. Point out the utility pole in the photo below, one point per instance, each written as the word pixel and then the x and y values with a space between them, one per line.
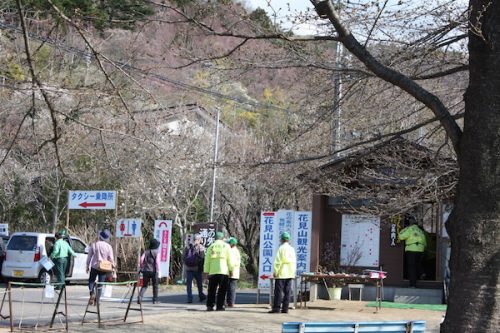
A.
pixel 337 92
pixel 216 152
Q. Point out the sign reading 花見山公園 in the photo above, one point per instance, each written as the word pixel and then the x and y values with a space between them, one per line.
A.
pixel 92 199
pixel 268 239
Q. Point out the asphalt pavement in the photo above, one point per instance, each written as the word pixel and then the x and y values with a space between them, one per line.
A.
pixel 32 311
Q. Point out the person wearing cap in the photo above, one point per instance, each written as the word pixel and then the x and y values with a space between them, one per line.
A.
pixel 217 265
pixel 99 251
pixel 234 274
pixel 285 264
pixel 415 244
pixel 59 255
pixel 150 268
pixel 193 256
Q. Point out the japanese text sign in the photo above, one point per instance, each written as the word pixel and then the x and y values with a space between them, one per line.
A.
pixel 268 235
pixel 301 240
pixel 163 234
pixel 92 199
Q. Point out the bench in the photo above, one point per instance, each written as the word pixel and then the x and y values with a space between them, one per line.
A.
pixel 350 327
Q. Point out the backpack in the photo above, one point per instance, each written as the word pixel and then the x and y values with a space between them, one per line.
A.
pixel 191 257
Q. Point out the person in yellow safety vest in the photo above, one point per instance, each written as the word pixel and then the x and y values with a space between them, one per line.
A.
pixel 285 265
pixel 217 265
pixel 234 275
pixel 415 244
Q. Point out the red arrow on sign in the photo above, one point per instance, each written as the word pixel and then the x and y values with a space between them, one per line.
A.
pixel 263 276
pixel 162 224
pixel 92 204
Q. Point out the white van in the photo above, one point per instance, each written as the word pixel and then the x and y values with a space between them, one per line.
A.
pixel 26 249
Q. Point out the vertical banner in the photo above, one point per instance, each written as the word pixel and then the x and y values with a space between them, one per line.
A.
pixel 268 239
pixel 301 237
pixel 163 234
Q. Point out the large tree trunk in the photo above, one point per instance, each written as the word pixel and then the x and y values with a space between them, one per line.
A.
pixel 474 226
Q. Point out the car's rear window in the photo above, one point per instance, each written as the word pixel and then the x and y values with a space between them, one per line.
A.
pixel 22 242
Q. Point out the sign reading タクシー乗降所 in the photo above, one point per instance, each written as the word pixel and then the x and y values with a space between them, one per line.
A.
pixel 92 199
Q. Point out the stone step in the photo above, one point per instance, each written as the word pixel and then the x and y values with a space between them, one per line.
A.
pixel 418 296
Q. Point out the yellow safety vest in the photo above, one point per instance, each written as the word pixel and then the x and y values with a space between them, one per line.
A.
pixel 235 262
pixel 285 262
pixel 217 258
pixel 414 239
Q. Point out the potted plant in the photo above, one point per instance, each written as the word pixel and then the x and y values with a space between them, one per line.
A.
pixel 329 264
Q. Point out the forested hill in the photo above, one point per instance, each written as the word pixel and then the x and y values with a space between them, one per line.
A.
pixel 174 39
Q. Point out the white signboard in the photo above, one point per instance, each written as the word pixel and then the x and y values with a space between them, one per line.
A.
pixel 301 240
pixel 4 229
pixel 268 240
pixel 92 199
pixel 272 225
pixel 360 241
pixel 128 228
pixel 163 234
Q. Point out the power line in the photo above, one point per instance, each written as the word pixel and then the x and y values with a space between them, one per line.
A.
pixel 163 78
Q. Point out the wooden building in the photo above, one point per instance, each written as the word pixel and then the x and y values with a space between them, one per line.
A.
pixel 389 183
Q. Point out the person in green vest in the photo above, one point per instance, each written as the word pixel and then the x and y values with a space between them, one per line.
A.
pixel 217 265
pixel 415 244
pixel 285 265
pixel 59 255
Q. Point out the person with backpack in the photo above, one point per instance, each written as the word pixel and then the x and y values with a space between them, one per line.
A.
pixel 150 270
pixel 193 256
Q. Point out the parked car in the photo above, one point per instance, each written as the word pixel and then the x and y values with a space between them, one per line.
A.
pixel 25 251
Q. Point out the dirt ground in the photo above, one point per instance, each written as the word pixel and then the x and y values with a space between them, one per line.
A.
pixel 252 318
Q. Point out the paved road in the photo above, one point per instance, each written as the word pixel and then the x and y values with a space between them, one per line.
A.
pixel 174 315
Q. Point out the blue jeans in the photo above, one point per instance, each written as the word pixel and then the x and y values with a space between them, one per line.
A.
pixel 101 277
pixel 231 291
pixel 189 284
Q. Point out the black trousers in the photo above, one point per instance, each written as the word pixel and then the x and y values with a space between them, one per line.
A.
pixel 154 281
pixel 413 263
pixel 282 288
pixel 217 284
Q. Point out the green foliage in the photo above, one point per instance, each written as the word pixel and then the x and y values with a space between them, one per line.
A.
pixel 182 3
pixel 101 14
pixel 198 211
pixel 84 163
pixel 260 17
pixel 14 71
